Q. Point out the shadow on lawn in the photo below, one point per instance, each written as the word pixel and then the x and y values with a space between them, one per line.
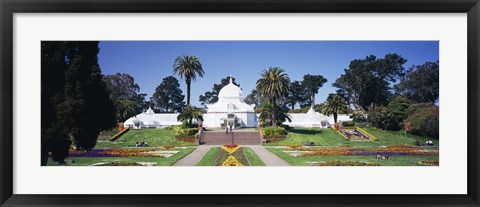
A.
pixel 306 131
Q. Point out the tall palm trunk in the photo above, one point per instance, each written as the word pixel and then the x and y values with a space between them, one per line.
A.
pixel 335 115
pixel 188 92
pixel 274 113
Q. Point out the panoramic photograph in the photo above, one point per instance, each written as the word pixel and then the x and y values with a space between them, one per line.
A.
pixel 240 103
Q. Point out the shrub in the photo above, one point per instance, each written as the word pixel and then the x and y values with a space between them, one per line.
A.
pixel 348 123
pixel 187 131
pixel 425 122
pixel 274 131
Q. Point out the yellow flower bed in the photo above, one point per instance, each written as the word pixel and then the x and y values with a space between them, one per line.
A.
pixel 230 150
pixel 231 161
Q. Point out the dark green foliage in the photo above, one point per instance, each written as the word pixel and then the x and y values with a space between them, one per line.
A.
pixel 397 109
pixel 273 85
pixel 254 98
pixel 168 96
pixel 266 114
pixel 334 105
pixel 392 117
pixel 425 122
pixel 297 95
pixel 421 83
pixel 348 123
pixel 123 86
pixel 75 101
pixel 366 81
pixel 274 132
pixel 53 68
pixel 87 108
pixel 311 84
pixel 190 113
pixel 212 96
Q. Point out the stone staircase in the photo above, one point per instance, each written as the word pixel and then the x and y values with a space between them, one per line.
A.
pixel 239 137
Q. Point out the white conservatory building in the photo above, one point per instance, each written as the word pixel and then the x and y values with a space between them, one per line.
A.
pixel 232 110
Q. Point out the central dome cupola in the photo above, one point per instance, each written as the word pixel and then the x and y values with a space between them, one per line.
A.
pixel 230 92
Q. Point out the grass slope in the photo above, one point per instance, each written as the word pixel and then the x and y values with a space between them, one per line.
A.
pixel 154 138
pixel 328 137
pixel 252 157
pixel 209 158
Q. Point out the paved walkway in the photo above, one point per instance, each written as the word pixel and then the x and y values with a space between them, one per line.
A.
pixel 268 157
pixel 193 158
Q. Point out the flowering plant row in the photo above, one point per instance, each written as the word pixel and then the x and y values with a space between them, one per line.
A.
pixel 429 162
pixel 344 163
pixel 231 161
pixel 115 152
pixel 230 148
pixel 364 152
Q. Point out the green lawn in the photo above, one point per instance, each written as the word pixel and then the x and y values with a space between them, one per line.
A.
pixel 154 138
pixel 252 157
pixel 209 158
pixel 408 160
pixel 324 137
pixel 328 137
pixel 160 161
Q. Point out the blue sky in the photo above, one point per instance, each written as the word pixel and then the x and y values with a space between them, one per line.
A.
pixel 150 61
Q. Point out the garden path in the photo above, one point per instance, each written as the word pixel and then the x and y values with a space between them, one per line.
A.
pixel 268 157
pixel 193 158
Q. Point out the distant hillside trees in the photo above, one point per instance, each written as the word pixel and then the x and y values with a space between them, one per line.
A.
pixel 421 83
pixel 311 84
pixel 168 97
pixel 367 81
pixel 75 102
pixel 125 94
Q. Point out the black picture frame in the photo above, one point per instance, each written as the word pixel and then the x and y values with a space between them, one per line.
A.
pixel 9 7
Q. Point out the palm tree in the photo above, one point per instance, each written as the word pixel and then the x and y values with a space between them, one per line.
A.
pixel 335 104
pixel 126 108
pixel 274 84
pixel 187 67
pixel 265 114
pixel 189 114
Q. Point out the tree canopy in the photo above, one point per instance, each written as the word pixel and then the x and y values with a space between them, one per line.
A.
pixel 125 94
pixel 75 101
pixel 421 83
pixel 311 84
pixel 367 81
pixel 188 67
pixel 273 84
pixel 168 97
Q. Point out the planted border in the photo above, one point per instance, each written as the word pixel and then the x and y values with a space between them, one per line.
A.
pixel 117 135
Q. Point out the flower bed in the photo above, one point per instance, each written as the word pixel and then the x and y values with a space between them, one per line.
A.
pixel 389 151
pixel 343 163
pixel 186 139
pixel 231 155
pixel 276 139
pixel 116 152
pixel 429 162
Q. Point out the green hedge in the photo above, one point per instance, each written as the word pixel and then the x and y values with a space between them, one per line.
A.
pixel 179 131
pixel 274 132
